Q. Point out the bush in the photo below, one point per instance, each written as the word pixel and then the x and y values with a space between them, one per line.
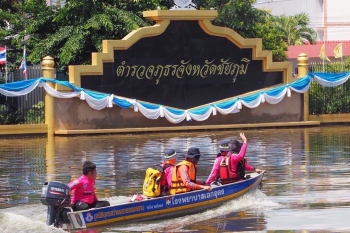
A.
pixel 330 100
pixel 35 115
pixel 10 116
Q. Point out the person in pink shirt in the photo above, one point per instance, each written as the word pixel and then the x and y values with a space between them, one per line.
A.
pixel 230 165
pixel 168 166
pixel 215 170
pixel 84 196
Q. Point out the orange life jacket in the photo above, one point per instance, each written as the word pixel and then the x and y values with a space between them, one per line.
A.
pixel 177 186
pixel 226 174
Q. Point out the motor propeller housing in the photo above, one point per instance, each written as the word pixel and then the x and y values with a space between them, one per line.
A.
pixel 56 196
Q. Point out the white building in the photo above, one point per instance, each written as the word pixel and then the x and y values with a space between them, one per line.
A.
pixel 330 18
pixel 55 2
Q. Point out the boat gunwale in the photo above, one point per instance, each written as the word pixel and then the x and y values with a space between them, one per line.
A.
pixel 174 210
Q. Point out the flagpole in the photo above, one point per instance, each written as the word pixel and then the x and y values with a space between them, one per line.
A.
pixel 24 67
pixel 6 73
pixel 6 68
pixel 5 65
pixel 342 57
pixel 324 47
pixel 25 60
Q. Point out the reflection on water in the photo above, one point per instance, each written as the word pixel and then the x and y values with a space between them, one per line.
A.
pixel 306 184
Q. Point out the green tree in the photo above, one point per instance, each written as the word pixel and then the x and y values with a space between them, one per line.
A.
pixel 239 15
pixel 249 22
pixel 70 33
pixel 13 18
pixel 294 29
pixel 9 5
pixel 271 39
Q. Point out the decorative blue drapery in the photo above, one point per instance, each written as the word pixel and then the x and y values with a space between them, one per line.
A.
pixel 98 101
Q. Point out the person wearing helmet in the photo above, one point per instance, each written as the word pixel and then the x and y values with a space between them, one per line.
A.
pixel 230 164
pixel 215 170
pixel 184 174
pixel 168 166
pixel 237 164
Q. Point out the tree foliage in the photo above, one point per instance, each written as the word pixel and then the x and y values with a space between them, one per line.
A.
pixel 14 16
pixel 294 29
pixel 249 22
pixel 72 32
pixel 78 28
pixel 271 39
pixel 69 33
pixel 238 15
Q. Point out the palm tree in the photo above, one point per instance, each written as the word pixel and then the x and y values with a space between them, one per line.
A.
pixel 294 29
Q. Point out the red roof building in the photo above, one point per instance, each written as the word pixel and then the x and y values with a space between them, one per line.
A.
pixel 313 51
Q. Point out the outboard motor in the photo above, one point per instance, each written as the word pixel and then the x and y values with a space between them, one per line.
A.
pixel 56 196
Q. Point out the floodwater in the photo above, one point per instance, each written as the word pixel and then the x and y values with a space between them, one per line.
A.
pixel 306 187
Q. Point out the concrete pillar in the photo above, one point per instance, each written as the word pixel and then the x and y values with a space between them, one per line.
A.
pixel 303 70
pixel 49 72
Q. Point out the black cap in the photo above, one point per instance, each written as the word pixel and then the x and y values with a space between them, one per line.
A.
pixel 193 152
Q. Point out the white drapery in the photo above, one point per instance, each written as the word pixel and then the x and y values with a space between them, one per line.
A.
pixel 100 101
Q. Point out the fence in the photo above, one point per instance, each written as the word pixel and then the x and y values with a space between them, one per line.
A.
pixel 27 109
pixel 329 100
pixel 334 67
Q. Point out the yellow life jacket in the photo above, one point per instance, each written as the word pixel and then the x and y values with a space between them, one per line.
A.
pixel 151 184
pixel 177 186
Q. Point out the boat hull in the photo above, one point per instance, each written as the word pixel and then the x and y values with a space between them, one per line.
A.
pixel 163 207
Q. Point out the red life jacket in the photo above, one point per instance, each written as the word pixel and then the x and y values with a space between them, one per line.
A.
pixel 226 174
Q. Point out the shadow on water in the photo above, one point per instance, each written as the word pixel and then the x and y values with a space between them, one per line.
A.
pixel 307 181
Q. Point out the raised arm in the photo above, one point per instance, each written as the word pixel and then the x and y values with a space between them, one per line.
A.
pixel 244 139
pixel 241 153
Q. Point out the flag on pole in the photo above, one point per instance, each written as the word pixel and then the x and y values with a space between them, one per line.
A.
pixel 338 51
pixel 24 63
pixel 323 55
pixel 2 55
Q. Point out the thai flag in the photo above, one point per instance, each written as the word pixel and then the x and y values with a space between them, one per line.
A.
pixel 2 55
pixel 23 63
